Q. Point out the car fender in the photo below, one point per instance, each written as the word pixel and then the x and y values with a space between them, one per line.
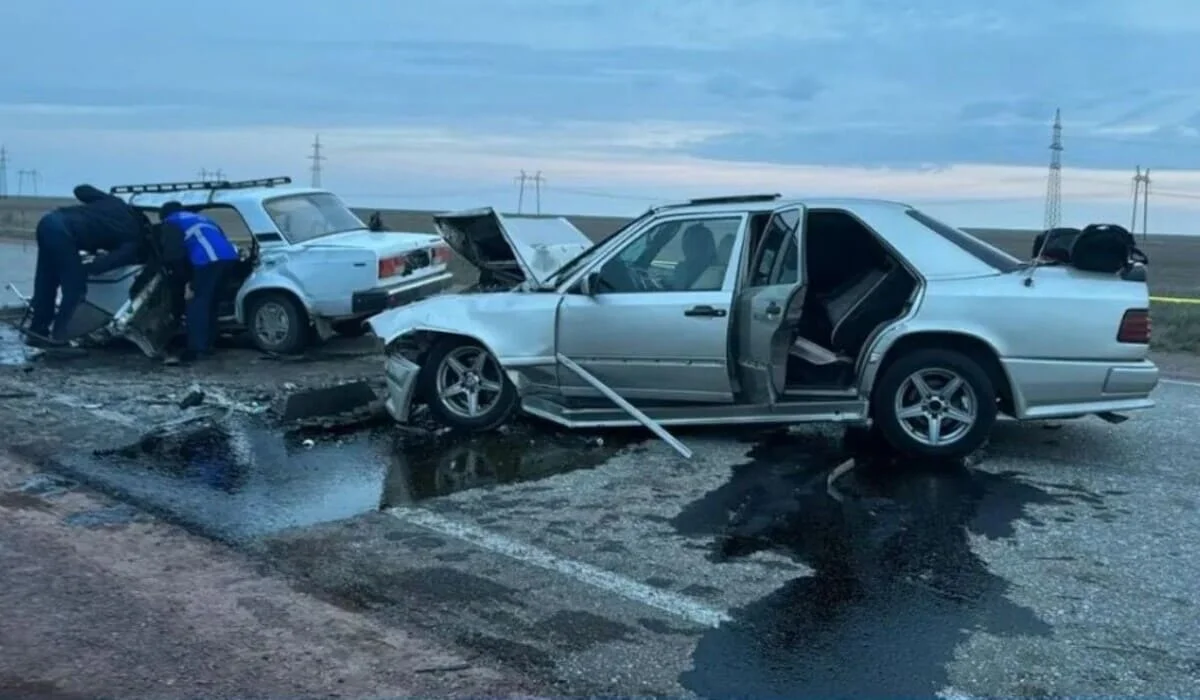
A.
pixel 517 328
pixel 890 336
pixel 268 280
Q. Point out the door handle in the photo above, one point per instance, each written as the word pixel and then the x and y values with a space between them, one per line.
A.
pixel 773 308
pixel 705 310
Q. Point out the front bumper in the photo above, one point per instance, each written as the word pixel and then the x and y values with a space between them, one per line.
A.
pixel 373 301
pixel 400 375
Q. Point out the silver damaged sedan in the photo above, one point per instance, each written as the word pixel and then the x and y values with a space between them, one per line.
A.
pixel 762 309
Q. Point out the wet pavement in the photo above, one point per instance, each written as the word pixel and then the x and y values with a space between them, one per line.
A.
pixel 240 477
pixel 1061 563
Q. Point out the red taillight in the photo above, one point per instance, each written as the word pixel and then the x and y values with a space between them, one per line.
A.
pixel 442 254
pixel 389 267
pixel 1135 327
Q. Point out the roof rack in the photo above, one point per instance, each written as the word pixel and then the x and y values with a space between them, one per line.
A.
pixel 163 187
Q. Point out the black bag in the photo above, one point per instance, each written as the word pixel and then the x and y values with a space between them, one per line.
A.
pixel 1055 244
pixel 1105 248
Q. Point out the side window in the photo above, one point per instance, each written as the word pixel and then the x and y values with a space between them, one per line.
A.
pixel 777 239
pixel 684 255
pixel 788 270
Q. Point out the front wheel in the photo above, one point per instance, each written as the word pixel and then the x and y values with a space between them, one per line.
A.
pixel 465 387
pixel 278 323
pixel 934 404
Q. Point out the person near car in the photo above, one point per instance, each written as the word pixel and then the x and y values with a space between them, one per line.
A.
pixel 207 254
pixel 100 222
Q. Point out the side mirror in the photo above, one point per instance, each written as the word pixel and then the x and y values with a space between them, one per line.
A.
pixel 589 284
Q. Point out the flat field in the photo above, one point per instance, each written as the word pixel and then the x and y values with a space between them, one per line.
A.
pixel 1174 260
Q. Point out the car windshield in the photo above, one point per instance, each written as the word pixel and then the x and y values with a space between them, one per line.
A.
pixel 303 217
pixel 573 264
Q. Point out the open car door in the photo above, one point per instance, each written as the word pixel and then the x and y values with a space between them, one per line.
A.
pixel 768 307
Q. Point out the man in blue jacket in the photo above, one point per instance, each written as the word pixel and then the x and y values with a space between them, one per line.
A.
pixel 209 257
pixel 101 222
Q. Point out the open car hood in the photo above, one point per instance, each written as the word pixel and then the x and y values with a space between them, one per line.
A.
pixel 513 248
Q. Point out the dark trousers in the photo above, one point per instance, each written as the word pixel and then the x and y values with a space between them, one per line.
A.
pixel 202 308
pixel 58 267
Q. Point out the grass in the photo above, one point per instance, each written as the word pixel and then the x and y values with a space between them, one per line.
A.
pixel 1174 260
pixel 1175 327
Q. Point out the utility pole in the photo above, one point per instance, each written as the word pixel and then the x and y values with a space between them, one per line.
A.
pixel 520 179
pixel 1054 179
pixel 1137 193
pixel 316 159
pixel 1145 205
pixel 3 172
pixel 537 181
pixel 32 176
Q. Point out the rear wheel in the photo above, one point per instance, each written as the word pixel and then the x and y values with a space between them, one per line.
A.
pixel 465 386
pixel 934 404
pixel 278 323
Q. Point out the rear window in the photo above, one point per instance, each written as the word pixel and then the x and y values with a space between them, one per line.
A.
pixel 984 252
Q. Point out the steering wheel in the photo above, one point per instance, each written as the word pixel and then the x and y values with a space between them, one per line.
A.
pixel 646 280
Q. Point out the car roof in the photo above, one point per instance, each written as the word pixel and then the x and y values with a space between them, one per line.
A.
pixel 760 203
pixel 934 255
pixel 208 194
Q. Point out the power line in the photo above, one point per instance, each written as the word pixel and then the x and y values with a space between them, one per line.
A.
pixel 316 159
pixel 207 175
pixel 3 172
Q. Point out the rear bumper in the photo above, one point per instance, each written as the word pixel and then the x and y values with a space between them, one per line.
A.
pixel 373 301
pixel 1055 388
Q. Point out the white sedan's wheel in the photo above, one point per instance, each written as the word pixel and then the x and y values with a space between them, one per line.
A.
pixel 934 403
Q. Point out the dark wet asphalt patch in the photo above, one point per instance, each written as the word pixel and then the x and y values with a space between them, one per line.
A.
pixel 240 479
pixel 895 588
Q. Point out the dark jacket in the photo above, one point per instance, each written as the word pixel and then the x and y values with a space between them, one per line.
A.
pixel 104 222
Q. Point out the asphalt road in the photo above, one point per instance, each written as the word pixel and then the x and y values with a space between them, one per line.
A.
pixel 1063 562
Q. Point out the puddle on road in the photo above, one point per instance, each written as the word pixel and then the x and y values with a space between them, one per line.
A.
pixel 13 351
pixel 895 587
pixel 252 480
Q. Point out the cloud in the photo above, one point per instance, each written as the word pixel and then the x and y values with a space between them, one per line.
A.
pixel 591 88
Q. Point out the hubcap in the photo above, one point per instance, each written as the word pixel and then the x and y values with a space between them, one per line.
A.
pixel 936 406
pixel 469 382
pixel 271 323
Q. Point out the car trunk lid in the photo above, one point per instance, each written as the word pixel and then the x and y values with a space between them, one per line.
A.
pixel 398 255
pixel 513 248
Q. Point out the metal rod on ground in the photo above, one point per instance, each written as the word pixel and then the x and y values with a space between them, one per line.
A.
pixel 625 405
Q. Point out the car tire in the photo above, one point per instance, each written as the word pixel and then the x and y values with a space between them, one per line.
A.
pixel 495 395
pixel 278 324
pixel 351 329
pixel 934 387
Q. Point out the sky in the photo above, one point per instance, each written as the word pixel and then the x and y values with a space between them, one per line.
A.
pixel 619 104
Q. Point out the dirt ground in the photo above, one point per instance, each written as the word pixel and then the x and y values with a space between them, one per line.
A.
pixel 100 603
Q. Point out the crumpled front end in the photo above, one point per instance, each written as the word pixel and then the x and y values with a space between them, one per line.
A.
pixel 400 376
pixel 517 328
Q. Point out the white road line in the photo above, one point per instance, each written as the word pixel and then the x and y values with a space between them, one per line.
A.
pixel 678 605
pixel 1180 382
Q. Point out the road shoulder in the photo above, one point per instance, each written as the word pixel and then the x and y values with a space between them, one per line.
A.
pixel 103 601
